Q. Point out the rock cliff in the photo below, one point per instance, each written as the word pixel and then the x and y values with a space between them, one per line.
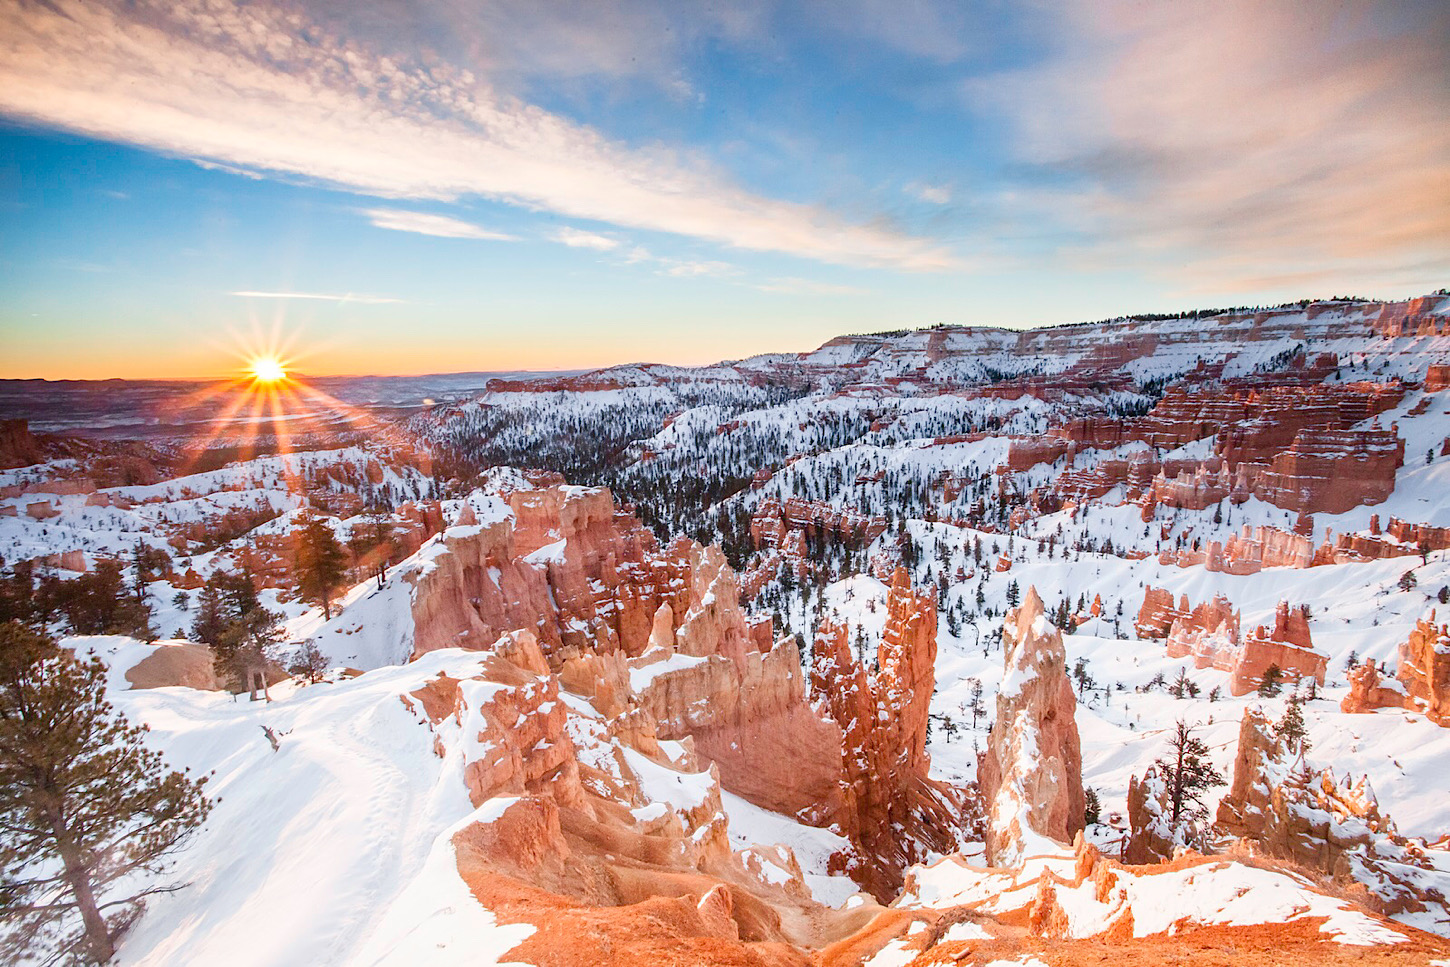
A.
pixel 658 641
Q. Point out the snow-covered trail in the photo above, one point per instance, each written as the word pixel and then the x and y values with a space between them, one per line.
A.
pixel 310 848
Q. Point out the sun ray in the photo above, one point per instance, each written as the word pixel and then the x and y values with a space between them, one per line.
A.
pixel 266 406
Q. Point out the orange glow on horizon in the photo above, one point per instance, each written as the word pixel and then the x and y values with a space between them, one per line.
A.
pixel 264 408
pixel 268 369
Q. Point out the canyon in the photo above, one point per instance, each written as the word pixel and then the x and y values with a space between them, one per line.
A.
pixel 863 655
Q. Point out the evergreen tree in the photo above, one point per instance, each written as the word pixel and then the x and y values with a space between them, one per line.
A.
pixel 88 811
pixel 1290 729
pixel 1092 809
pixel 321 563
pixel 99 603
pixel 230 617
pixel 210 622
pixel 1273 682
pixel 1188 773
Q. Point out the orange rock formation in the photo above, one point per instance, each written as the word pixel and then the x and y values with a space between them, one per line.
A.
pixel 1031 772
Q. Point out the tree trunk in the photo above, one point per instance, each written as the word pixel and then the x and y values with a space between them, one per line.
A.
pixel 1178 781
pixel 98 935
pixel 257 675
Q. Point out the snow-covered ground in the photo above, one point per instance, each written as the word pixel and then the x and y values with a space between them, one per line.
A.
pixel 1162 902
pixel 333 850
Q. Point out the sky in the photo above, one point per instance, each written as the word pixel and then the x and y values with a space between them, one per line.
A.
pixel 461 185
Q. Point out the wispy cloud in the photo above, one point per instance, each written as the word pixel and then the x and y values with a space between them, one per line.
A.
pixel 264 88
pixel 365 300
pixel 690 269
pixel 933 194
pixel 247 173
pixel 680 268
pixel 440 226
pixel 1233 141
pixel 575 238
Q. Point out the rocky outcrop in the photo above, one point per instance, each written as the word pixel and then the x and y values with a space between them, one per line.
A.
pixel 1031 772
pixel 1026 453
pixel 590 825
pixel 1413 317
pixel 1291 442
pixel 186 664
pixel 891 807
pixel 1294 811
pixel 1287 646
pixel 1158 612
pixel 1332 471
pixel 1150 836
pixel 1422 681
pixel 1369 691
pixel 1399 539
pixel 18 448
pixel 564 564
pixel 1206 632
pixel 773 519
pixel 792 531
pixel 1210 634
pixel 1425 669
pixel 745 709
pixel 657 639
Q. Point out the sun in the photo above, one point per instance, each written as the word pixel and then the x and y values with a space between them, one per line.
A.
pixel 267 369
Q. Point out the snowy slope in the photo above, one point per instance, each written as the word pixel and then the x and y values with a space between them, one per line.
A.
pixel 333 850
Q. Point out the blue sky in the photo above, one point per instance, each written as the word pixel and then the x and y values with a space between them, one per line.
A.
pixel 506 184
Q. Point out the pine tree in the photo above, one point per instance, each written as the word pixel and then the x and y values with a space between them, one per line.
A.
pixel 88 811
pixel 210 622
pixel 1272 682
pixel 1290 729
pixel 321 563
pixel 1188 773
pixel 231 618
pixel 1092 809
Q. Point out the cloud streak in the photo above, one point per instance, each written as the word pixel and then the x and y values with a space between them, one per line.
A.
pixel 439 226
pixel 575 238
pixel 265 88
pixel 364 300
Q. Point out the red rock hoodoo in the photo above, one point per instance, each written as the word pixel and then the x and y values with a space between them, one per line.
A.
pixel 1425 669
pixel 1031 772
pixel 894 810
pixel 1295 812
pixel 660 634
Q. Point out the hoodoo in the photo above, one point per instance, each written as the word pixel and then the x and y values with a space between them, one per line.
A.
pixel 1031 773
